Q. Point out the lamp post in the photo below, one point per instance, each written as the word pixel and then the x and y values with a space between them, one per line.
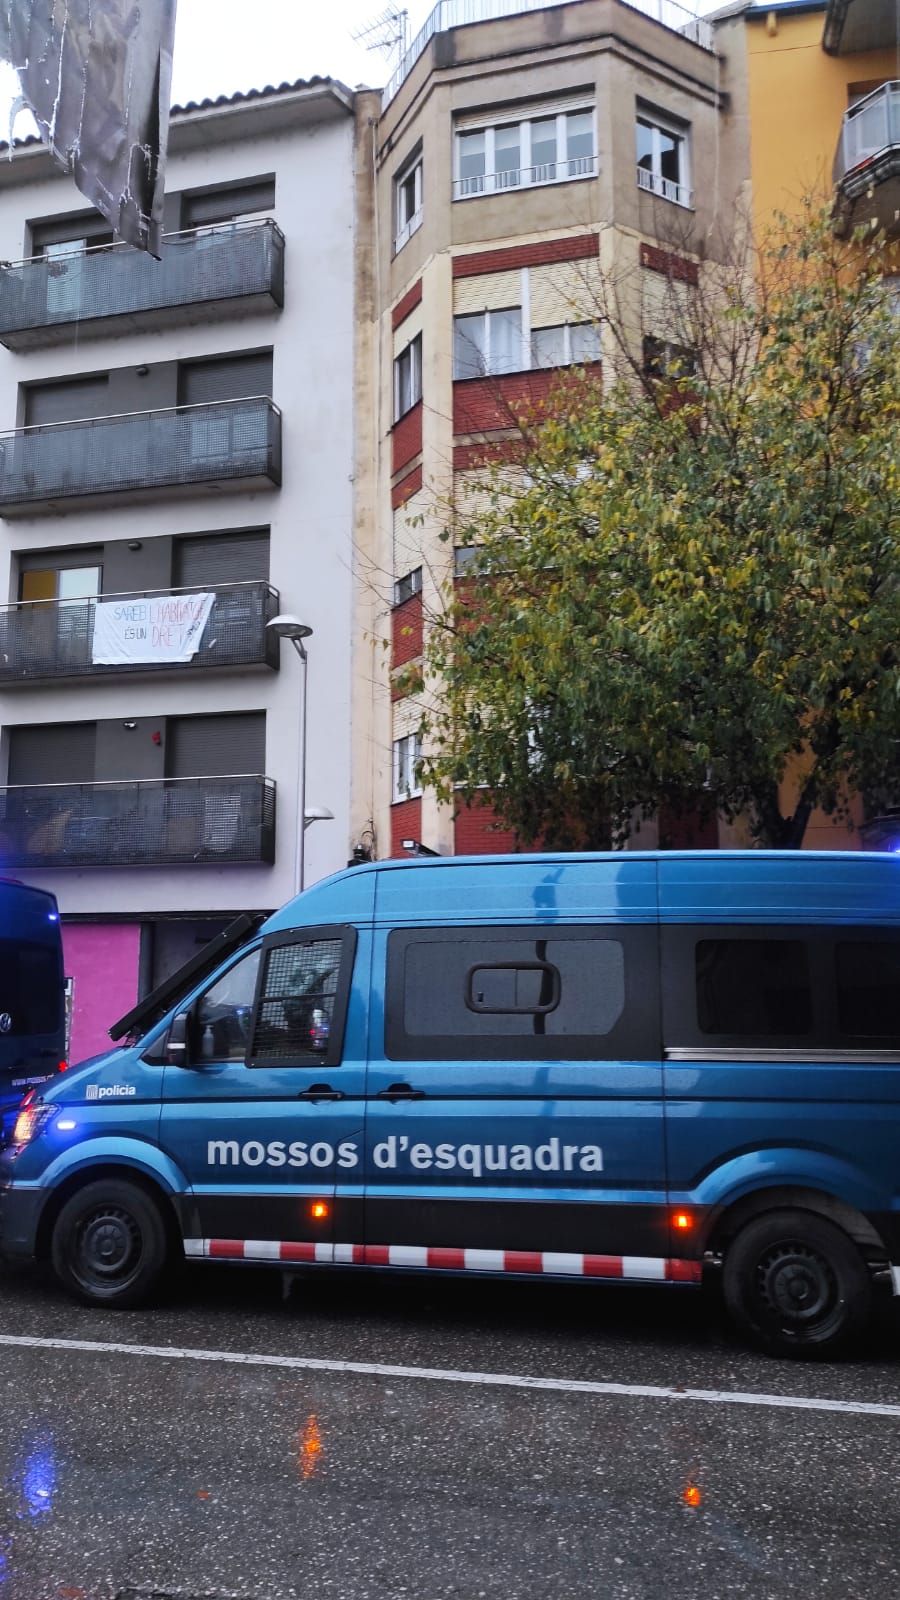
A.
pixel 290 627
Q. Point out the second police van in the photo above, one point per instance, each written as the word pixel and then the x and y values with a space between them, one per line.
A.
pixel 630 1066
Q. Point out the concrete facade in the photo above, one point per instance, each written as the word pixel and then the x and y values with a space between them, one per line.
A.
pixel 306 140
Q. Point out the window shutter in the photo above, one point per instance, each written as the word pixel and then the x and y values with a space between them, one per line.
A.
pixel 524 111
pixel 64 402
pixel 71 230
pixel 222 205
pixel 210 747
pixel 230 378
pixel 222 558
pixel 489 291
pixel 62 752
pixel 564 292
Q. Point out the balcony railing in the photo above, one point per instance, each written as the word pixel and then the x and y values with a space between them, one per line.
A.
pixel 143 822
pixel 458 13
pixel 203 273
pixel 870 132
pixel 666 188
pixel 234 443
pixel 525 177
pixel 41 640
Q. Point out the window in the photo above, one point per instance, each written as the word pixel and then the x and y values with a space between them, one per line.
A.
pixel 302 1003
pixel 464 558
pixel 570 344
pixel 513 154
pixel 212 207
pixel 408 378
pixel 221 1021
pixel 753 987
pixel 868 988
pixel 536 993
pixel 662 359
pixel 406 587
pixel 408 201
pixel 488 342
pixel 662 159
pixel 66 630
pixel 407 755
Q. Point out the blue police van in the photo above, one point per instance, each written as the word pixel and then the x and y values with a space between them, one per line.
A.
pixel 637 1067
pixel 32 993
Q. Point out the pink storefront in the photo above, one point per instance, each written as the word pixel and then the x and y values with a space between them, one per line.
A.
pixel 103 960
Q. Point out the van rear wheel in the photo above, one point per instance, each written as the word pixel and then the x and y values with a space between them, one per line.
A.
pixel 109 1244
pixel 797 1285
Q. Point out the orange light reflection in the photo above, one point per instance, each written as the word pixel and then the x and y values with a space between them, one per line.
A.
pixel 310 1447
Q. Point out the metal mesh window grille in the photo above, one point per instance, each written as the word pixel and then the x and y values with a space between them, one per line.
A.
pixel 296 1008
pixel 201 267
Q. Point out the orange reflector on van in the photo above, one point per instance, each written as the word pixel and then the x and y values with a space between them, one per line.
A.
pixel 682 1220
pixel 318 1209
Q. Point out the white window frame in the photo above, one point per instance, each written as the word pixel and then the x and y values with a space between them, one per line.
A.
pixel 407 587
pixel 406 753
pixel 404 230
pixel 568 359
pixel 524 341
pixel 653 182
pixel 414 351
pixel 526 179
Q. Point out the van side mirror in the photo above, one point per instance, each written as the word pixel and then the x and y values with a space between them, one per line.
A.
pixel 177 1053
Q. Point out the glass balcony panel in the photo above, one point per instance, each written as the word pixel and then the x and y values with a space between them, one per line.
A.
pixel 205 268
pixel 145 822
pixel 43 640
pixel 232 440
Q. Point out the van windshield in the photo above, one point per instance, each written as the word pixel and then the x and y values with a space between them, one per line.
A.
pixel 30 988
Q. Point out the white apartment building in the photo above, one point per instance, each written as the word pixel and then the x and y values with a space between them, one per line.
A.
pixel 177 447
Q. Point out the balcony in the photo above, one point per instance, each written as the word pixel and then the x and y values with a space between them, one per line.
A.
pixel 231 444
pixel 44 640
pixel 142 822
pixel 867 163
pixel 204 275
pixel 562 171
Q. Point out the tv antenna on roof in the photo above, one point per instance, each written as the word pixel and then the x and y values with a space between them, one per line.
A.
pixel 387 32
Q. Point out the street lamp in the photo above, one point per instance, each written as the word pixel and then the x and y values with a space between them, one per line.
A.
pixel 290 627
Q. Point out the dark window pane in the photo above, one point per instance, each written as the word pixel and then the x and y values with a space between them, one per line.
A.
pixel 440 975
pixel 753 986
pixel 30 987
pixel 222 1028
pixel 868 987
pixel 297 1003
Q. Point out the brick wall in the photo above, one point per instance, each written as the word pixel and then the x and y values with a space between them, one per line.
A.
pixel 678 267
pixel 480 404
pixel 406 488
pixel 406 631
pixel 543 253
pixel 476 833
pixel 406 438
pixel 406 823
pixel 411 299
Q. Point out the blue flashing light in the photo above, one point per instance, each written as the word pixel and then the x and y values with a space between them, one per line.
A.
pixel 52 916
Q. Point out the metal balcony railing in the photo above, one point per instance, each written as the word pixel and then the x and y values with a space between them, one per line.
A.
pixel 228 441
pixel 42 299
pixel 666 188
pixel 525 177
pixel 458 13
pixel 143 822
pixel 870 133
pixel 45 639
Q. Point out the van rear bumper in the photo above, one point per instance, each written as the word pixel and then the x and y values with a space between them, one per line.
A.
pixel 20 1211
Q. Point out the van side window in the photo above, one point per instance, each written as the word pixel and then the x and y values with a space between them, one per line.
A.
pixel 512 993
pixel 753 986
pixel 868 988
pixel 302 1001
pixel 222 1015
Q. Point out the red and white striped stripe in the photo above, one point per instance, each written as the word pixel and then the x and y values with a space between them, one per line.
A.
pixel 645 1269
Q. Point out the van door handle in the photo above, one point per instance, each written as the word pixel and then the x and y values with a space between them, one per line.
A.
pixel 400 1091
pixel 320 1091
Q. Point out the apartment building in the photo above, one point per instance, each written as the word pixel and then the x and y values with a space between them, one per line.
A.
pixel 522 152
pixel 176 466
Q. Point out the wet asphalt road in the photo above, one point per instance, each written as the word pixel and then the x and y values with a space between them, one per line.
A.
pixel 125 1477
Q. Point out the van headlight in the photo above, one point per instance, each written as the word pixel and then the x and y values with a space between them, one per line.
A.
pixel 31 1120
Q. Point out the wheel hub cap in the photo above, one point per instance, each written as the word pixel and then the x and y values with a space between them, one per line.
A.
pixel 110 1243
pixel 796 1283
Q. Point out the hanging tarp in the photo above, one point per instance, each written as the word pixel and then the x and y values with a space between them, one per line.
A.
pixel 97 74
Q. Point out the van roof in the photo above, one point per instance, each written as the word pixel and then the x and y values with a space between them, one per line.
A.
pixel 677 885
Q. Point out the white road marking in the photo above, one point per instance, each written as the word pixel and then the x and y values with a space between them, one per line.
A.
pixel 492 1380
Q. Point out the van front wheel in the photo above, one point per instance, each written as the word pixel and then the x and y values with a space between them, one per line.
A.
pixel 797 1285
pixel 109 1244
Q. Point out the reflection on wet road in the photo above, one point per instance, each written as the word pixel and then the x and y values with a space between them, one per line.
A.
pixel 137 1475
